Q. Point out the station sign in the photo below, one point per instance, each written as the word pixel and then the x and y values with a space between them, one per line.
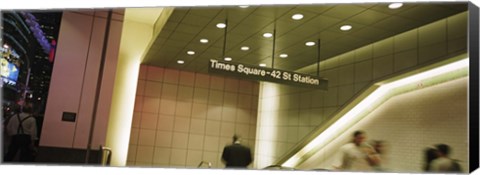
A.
pixel 267 74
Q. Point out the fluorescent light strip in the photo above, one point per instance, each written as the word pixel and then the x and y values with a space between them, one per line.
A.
pixel 431 73
pixel 349 118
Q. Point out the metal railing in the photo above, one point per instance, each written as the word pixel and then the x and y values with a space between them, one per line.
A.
pixel 105 155
pixel 205 162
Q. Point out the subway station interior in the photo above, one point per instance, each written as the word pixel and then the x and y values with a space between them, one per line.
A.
pixel 135 87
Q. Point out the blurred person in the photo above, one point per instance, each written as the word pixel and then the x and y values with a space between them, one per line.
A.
pixel 236 155
pixel 8 112
pixel 22 130
pixel 443 163
pixel 358 155
pixel 380 148
pixel 430 155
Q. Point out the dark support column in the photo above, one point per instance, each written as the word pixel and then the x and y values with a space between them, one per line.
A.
pixel 473 44
pixel 99 82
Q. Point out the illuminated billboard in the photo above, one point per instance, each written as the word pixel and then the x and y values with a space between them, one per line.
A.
pixel 9 72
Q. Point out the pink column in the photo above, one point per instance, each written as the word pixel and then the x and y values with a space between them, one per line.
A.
pixel 74 79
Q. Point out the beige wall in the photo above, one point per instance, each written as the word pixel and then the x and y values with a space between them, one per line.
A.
pixel 181 118
pixel 299 111
pixel 409 123
pixel 74 79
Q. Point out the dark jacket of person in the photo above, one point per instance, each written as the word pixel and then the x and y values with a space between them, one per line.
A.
pixel 237 156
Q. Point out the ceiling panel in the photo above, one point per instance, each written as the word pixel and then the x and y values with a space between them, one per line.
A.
pixel 318 9
pixel 395 23
pixel 368 17
pixel 177 15
pixel 322 22
pixel 371 22
pixel 196 20
pixel 344 11
pixel 426 13
pixel 207 12
pixel 189 29
pixel 371 33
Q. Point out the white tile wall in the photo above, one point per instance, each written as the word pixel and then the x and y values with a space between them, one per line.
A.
pixel 409 123
pixel 182 118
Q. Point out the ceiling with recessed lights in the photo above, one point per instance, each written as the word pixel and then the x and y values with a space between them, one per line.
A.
pixel 191 36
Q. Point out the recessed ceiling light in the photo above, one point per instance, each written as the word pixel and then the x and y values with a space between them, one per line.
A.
pixel 395 5
pixel 5 46
pixel 262 65
pixel 203 40
pixel 244 48
pixel 310 43
pixel 267 35
pixel 297 16
pixel 243 6
pixel 191 52
pixel 227 59
pixel 346 27
pixel 180 61
pixel 221 25
pixel 283 55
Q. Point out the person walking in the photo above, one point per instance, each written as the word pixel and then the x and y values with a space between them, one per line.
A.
pixel 358 155
pixel 236 155
pixel 430 155
pixel 443 163
pixel 22 130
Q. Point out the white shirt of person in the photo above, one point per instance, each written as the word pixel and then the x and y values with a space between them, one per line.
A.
pixel 29 125
pixel 441 164
pixel 353 158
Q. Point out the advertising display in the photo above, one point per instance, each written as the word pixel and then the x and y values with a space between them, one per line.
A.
pixel 9 72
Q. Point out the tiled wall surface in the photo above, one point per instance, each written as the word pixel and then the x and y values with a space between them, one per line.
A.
pixel 182 118
pixel 299 111
pixel 409 123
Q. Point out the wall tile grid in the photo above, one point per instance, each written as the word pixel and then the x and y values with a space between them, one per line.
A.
pixel 351 72
pixel 182 118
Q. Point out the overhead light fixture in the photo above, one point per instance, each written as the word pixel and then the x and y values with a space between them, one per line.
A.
pixel 5 46
pixel 395 5
pixel 228 59
pixel 310 43
pixel 221 25
pixel 180 61
pixel 262 65
pixel 297 16
pixel 283 55
pixel 191 52
pixel 203 40
pixel 244 48
pixel 346 27
pixel 267 35
pixel 243 6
